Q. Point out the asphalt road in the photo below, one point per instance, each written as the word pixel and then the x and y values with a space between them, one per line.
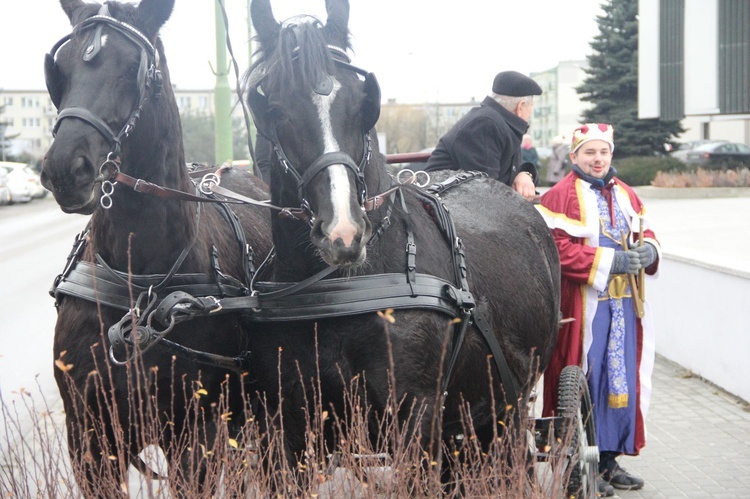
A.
pixel 35 239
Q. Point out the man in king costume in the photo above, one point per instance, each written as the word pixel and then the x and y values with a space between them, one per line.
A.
pixel 605 242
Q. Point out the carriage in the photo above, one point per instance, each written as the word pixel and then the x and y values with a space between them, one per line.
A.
pixel 195 278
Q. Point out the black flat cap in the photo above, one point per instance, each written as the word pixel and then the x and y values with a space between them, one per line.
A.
pixel 515 84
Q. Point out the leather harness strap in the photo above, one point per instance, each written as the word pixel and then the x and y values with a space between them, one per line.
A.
pixel 337 297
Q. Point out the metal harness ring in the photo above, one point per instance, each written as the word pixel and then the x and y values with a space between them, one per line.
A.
pixel 206 182
pixel 414 178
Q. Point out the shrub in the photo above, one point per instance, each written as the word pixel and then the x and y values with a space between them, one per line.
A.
pixel 704 178
pixel 369 456
pixel 642 170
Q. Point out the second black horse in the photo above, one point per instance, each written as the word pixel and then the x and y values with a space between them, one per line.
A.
pixel 319 111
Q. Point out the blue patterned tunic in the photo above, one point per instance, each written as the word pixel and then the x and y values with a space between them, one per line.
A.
pixel 612 358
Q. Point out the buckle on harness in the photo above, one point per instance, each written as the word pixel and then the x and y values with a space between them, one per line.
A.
pixel 463 299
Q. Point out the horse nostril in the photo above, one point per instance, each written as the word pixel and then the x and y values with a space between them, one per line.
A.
pixel 44 179
pixel 317 232
pixel 81 171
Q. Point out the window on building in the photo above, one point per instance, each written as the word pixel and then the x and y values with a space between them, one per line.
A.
pixel 203 102
pixel 9 101
pixel 734 63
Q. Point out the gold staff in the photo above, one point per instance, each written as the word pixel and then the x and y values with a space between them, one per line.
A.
pixel 642 272
pixel 637 302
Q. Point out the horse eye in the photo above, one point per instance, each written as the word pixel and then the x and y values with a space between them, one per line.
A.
pixel 132 73
pixel 276 113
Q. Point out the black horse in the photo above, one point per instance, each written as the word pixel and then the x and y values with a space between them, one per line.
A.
pixel 110 74
pixel 319 111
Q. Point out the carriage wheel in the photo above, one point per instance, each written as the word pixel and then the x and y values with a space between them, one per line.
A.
pixel 578 433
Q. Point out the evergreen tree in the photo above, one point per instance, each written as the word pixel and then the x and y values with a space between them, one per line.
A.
pixel 612 85
pixel 198 136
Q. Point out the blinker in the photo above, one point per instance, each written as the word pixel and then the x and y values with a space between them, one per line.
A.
pixel 324 86
pixel 95 45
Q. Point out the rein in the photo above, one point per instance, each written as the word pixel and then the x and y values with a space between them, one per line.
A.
pixel 110 175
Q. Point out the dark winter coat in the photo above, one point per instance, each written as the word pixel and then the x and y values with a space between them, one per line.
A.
pixel 487 139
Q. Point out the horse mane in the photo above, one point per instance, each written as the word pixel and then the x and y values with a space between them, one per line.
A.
pixel 298 61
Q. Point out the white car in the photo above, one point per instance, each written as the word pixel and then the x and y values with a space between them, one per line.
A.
pixel 5 197
pixel 22 174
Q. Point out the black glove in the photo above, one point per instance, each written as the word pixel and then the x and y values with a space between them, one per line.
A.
pixel 625 262
pixel 646 253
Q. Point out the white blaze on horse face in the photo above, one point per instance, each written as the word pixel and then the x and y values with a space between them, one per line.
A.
pixel 341 226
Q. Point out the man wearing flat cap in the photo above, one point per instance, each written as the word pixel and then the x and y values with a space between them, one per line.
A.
pixel 488 138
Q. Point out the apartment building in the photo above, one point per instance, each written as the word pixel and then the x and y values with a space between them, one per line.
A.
pixel 28 116
pixel 694 66
pixel 558 110
pixel 26 122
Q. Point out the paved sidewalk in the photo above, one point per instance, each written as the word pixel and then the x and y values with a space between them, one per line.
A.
pixel 698 440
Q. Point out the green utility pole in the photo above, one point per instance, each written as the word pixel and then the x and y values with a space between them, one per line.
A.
pixel 250 49
pixel 222 101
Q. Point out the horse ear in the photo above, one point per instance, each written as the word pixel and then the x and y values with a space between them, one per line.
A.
pixel 371 105
pixel 337 24
pixel 152 14
pixel 70 6
pixel 52 78
pixel 265 24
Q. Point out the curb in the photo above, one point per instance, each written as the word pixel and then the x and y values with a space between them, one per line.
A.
pixel 651 192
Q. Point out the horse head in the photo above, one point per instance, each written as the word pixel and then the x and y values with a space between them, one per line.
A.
pixel 319 112
pixel 105 78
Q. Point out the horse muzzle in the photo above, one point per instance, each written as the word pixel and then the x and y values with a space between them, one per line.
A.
pixel 342 244
pixel 73 184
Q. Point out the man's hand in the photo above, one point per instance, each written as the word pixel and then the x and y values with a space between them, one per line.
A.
pixel 646 253
pixel 625 262
pixel 524 185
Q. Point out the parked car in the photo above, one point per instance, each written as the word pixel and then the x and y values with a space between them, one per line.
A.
pixel 25 173
pixel 18 185
pixel 720 155
pixel 681 150
pixel 5 197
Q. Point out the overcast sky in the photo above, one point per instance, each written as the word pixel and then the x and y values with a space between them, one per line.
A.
pixel 420 50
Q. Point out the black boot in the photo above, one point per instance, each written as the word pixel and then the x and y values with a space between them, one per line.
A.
pixel 617 476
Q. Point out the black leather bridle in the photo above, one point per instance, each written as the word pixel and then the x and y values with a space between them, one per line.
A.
pixel 259 107
pixel 149 76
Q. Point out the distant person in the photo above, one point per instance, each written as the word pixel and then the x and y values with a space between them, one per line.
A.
pixel 488 137
pixel 590 211
pixel 263 152
pixel 528 152
pixel 558 160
